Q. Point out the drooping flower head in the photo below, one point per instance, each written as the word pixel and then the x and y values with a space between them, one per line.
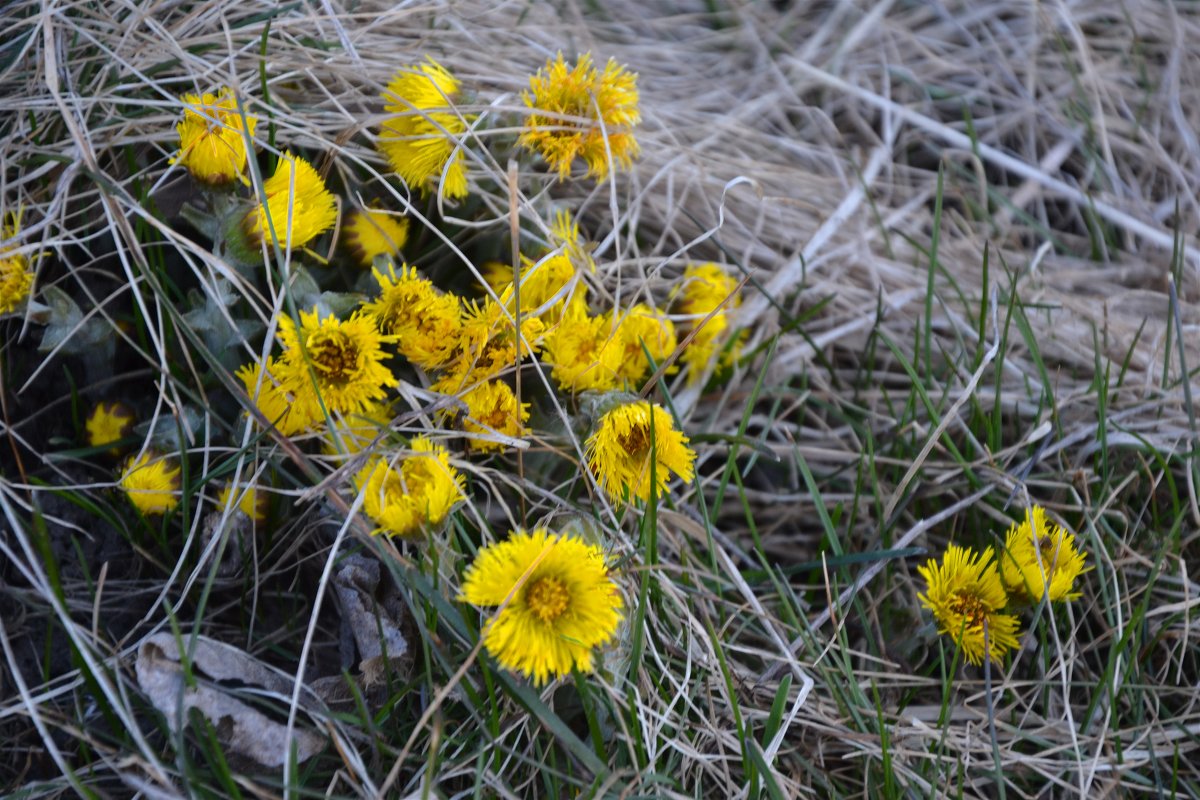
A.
pixel 557 602
pixel 1039 558
pixel 413 496
pixel 585 353
pixel 151 482
pixel 297 206
pixel 966 597
pixel 705 288
pixel 627 441
pixel 108 423
pixel 211 144
pixel 420 141
pixel 16 277
pixel 425 323
pixel 367 233
pixel 334 363
pixel 580 112
pixel 247 499
pixel 492 408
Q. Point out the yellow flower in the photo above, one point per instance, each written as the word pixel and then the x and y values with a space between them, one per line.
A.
pixel 108 423
pixel 1040 558
pixel 421 141
pixel 425 322
pixel 491 409
pixel 416 495
pixel 354 432
pixel 249 500
pixel 582 113
pixel 497 275
pixel 585 353
pixel 487 344
pixel 16 278
pixel 705 287
pixel 966 597
pixel 273 401
pixel 628 439
pixel 643 329
pixel 211 143
pixel 557 602
pixel 295 194
pixel 368 233
pixel 346 361
pixel 151 482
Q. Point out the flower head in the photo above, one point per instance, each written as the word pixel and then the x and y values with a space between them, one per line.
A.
pixel 487 343
pixel 705 288
pixel 415 495
pixel 425 322
pixel 492 408
pixel 274 402
pixel 581 112
pixel 151 482
pixel 641 330
pixel 557 602
pixel 296 201
pixel 346 360
pixel 1040 558
pixel 16 277
pixel 628 442
pixel 585 353
pixel 966 597
pixel 420 141
pixel 211 141
pixel 247 499
pixel 108 423
pixel 368 233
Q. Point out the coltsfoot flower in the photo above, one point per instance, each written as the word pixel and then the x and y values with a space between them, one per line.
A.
pixel 297 207
pixel 151 482
pixel 274 402
pixel 367 233
pixel 557 602
pixel 413 496
pixel 585 353
pixel 421 141
pixel 627 441
pixel 108 423
pixel 16 277
pixel 487 344
pixel 247 499
pixel 425 323
pixel 641 330
pixel 346 358
pixel 705 288
pixel 580 112
pixel 492 408
pixel 211 144
pixel 966 597
pixel 1040 558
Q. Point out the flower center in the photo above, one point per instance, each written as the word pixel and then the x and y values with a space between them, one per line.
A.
pixel 636 443
pixel 547 598
pixel 334 355
pixel 970 607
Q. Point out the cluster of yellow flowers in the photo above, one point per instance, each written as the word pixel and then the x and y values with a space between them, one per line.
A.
pixel 330 379
pixel 972 594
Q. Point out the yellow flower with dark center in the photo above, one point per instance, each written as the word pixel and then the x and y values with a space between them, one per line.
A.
pixel 585 353
pixel 108 423
pixel 420 141
pixel 582 113
pixel 151 483
pixel 425 323
pixel 492 408
pixel 415 495
pixel 247 499
pixel 1041 558
pixel 296 200
pixel 211 144
pixel 557 602
pixel 16 277
pixel 487 344
pixel 628 441
pixel 705 288
pixel 334 363
pixel 274 402
pixel 641 330
pixel 966 597
pixel 367 233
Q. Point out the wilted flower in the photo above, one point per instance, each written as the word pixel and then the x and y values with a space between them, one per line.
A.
pixel 629 442
pixel 212 145
pixel 420 141
pixel 557 602
pixel 966 597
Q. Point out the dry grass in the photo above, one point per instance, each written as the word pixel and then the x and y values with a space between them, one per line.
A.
pixel 958 227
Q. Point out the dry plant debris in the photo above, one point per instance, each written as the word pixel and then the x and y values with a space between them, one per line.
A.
pixel 787 399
